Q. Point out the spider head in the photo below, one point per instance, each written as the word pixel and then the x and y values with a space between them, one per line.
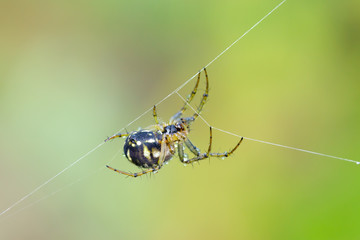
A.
pixel 178 126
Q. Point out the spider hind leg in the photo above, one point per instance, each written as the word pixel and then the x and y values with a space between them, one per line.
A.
pixel 154 170
pixel 208 154
pixel 116 136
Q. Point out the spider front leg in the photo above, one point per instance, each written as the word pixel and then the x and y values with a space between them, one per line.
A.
pixel 204 98
pixel 155 169
pixel 188 100
pixel 191 96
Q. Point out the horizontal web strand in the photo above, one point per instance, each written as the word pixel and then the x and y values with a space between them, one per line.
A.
pixel 265 142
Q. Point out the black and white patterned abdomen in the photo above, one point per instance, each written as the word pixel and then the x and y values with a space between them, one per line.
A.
pixel 143 148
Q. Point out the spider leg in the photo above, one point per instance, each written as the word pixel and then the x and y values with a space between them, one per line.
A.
pixel 117 135
pixel 191 96
pixel 171 149
pixel 188 100
pixel 226 154
pixel 181 152
pixel 155 115
pixel 155 169
pixel 196 151
pixel 210 141
pixel 209 154
pixel 192 147
pixel 204 98
pixel 162 152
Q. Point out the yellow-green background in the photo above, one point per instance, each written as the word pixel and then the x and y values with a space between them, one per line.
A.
pixel 74 72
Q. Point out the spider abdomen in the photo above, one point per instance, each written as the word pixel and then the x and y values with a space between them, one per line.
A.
pixel 143 148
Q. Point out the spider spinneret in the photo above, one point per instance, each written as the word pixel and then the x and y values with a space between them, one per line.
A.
pixel 150 148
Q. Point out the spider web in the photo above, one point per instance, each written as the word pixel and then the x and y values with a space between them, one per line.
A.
pixel 144 113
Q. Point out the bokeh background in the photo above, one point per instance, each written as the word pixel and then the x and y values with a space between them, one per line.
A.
pixel 74 72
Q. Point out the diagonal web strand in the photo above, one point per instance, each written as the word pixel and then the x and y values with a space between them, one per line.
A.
pixel 175 91
pixel 60 189
pixel 50 179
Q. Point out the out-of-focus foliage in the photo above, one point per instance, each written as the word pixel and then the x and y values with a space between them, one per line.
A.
pixel 74 72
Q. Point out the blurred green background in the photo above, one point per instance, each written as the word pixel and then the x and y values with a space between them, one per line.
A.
pixel 74 72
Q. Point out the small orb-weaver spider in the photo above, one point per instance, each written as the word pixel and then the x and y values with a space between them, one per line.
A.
pixel 152 147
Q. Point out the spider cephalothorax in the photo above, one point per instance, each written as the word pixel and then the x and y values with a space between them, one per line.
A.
pixel 150 148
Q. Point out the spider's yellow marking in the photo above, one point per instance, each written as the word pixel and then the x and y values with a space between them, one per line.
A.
pixel 155 152
pixel 138 143
pixel 128 155
pixel 147 153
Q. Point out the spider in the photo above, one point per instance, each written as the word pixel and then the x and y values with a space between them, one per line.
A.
pixel 154 146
